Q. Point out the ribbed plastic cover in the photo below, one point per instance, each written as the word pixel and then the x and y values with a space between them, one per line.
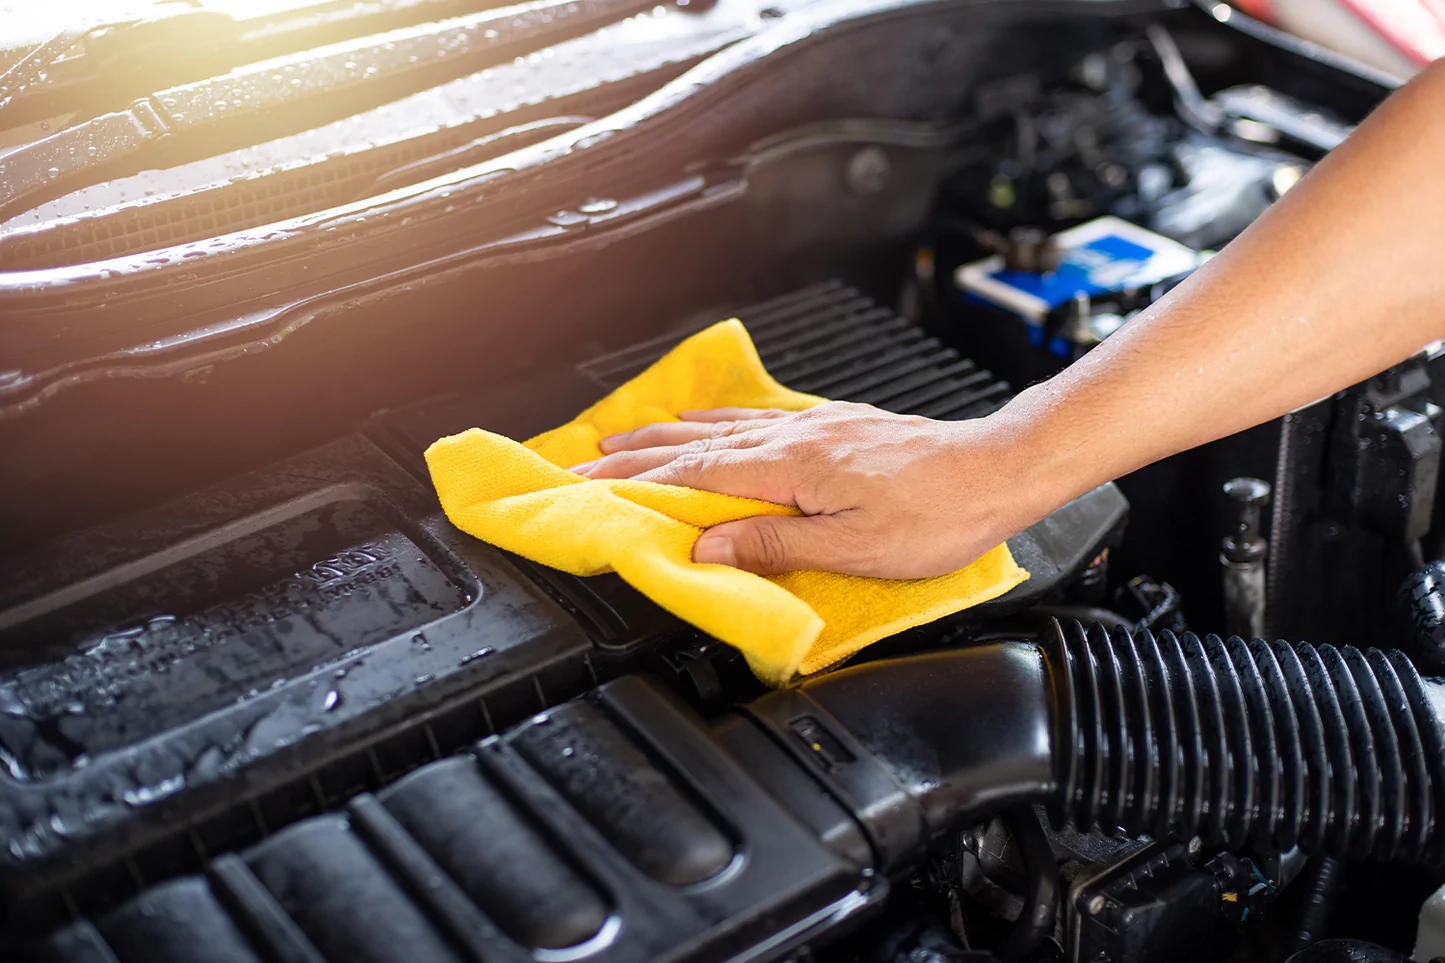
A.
pixel 829 340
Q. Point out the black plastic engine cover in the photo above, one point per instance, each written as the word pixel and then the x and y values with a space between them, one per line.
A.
pixel 189 681
pixel 615 828
pixel 248 653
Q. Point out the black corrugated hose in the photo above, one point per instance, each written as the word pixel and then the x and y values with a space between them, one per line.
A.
pixel 1272 744
pixel 1340 751
pixel 1337 750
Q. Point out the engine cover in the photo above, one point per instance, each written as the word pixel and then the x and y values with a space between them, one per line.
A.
pixel 190 681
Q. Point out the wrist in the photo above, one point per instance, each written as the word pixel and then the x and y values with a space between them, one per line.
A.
pixel 1013 478
pixel 1044 458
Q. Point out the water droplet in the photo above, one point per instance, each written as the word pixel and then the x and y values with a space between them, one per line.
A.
pixel 598 205
pixel 54 172
pixel 569 752
pixel 144 795
pixel 332 700
pixel 479 654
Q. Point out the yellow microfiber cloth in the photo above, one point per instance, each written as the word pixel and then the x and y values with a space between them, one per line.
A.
pixel 522 498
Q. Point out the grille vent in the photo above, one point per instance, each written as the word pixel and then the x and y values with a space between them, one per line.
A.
pixel 829 340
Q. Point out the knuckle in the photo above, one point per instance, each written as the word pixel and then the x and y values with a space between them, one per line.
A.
pixel 849 409
pixel 771 550
pixel 689 464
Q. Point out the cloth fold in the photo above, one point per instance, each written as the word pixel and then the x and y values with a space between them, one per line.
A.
pixel 521 498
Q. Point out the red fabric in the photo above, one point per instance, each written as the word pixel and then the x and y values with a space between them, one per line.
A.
pixel 1414 27
pixel 1260 9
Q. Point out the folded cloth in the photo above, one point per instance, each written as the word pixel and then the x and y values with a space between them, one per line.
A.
pixel 522 498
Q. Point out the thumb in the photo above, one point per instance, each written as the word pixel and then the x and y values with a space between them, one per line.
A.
pixel 772 544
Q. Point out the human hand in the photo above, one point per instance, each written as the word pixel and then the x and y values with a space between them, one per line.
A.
pixel 884 495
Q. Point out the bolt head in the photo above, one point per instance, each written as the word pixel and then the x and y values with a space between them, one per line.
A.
pixel 869 170
pixel 1247 491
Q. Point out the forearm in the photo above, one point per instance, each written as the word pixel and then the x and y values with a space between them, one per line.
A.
pixel 1342 278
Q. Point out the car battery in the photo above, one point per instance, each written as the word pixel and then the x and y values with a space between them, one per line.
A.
pixel 1104 270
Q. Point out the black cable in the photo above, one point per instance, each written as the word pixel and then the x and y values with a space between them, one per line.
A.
pixel 1042 887
pixel 1347 951
pixel 1326 877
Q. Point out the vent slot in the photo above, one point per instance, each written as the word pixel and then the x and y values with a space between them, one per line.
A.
pixel 829 340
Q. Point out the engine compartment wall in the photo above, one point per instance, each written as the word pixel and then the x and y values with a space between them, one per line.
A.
pixel 285 379
pixel 311 373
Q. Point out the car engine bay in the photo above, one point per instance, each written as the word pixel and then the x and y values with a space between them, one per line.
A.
pixel 261 701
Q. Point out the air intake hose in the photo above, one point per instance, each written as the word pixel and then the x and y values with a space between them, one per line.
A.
pixel 1339 751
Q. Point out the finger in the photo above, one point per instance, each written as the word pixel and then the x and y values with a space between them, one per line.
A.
pixel 668 433
pixel 749 473
pixel 631 464
pixel 735 414
pixel 771 545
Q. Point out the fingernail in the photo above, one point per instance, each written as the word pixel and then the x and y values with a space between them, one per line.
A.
pixel 612 442
pixel 583 468
pixel 717 550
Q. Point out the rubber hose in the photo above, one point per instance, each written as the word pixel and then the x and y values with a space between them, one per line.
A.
pixel 1275 745
pixel 1336 750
